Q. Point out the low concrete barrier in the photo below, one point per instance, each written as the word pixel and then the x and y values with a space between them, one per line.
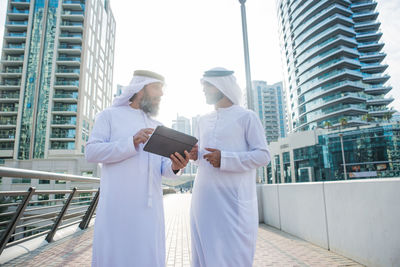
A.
pixel 359 219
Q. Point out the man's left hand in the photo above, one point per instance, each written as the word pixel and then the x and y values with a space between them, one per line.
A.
pixel 214 157
pixel 178 162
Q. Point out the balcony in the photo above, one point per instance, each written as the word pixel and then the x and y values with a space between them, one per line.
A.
pixel 15 36
pixel 70 49
pixel 342 86
pixel 379 100
pixel 21 4
pixel 64 123
pixel 65 109
pixel 377 89
pixel 323 26
pixel 375 78
pixel 69 61
pixel 8 121
pixel 323 14
pixel 75 38
pixel 9 96
pixel 18 14
pixel 73 84
pixel 338 51
pixel 327 45
pixel 362 5
pixel 324 35
pixel 71 15
pixel 372 57
pixel 66 97
pixel 367 26
pixel 16 25
pixel 331 76
pixel 11 72
pixel 373 67
pixel 72 26
pixel 10 84
pixel 327 101
pixel 365 15
pixel 369 36
pixel 336 63
pixel 370 47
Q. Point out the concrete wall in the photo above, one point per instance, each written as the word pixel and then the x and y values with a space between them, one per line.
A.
pixel 357 219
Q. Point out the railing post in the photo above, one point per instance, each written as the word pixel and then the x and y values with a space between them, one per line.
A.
pixel 11 227
pixel 90 211
pixel 50 235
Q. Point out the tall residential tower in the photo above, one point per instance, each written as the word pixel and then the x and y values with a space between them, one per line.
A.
pixel 56 73
pixel 333 68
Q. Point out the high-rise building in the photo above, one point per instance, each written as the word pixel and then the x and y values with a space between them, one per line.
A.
pixel 182 124
pixel 56 73
pixel 332 55
pixel 270 104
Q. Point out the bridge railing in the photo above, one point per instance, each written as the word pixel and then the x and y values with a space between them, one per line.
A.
pixel 25 215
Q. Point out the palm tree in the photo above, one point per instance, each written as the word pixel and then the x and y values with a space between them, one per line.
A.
pixel 388 116
pixel 327 124
pixel 343 122
pixel 368 118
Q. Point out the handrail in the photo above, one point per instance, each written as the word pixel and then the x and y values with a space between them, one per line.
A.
pixel 22 209
pixel 21 173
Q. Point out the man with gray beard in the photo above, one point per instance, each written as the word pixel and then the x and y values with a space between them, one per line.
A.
pixel 129 227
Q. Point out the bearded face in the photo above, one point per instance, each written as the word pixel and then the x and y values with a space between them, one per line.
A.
pixel 150 102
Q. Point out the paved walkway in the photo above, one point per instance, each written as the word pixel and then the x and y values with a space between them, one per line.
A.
pixel 274 248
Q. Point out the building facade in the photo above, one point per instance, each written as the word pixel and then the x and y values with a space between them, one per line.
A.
pixel 270 105
pixel 333 63
pixel 371 151
pixel 56 73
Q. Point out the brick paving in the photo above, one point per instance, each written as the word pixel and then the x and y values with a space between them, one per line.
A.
pixel 274 248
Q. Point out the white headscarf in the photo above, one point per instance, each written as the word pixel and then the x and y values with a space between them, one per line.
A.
pixel 226 84
pixel 137 83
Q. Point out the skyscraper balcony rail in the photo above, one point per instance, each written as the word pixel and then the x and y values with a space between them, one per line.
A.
pixel 330 88
pixel 69 59
pixel 334 98
pixel 19 11
pixel 331 42
pixel 302 47
pixel 322 13
pixel 16 34
pixel 71 95
pixel 69 46
pixel 17 22
pixel 327 54
pixel 64 121
pixel 71 23
pixel 13 70
pixel 321 26
pixel 8 120
pixel 20 1
pixel 11 83
pixel 72 108
pixel 325 66
pixel 8 95
pixel 28 214
pixel 16 46
pixel 73 2
pixel 70 12
pixel 66 135
pixel 71 35
pixel 74 83
pixel 68 71
pixel 312 84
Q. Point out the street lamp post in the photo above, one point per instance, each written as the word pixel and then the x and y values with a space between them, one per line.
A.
pixel 249 91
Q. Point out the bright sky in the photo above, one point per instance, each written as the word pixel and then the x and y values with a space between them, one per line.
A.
pixel 182 38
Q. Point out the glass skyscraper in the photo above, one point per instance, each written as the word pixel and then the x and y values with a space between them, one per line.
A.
pixel 56 73
pixel 333 62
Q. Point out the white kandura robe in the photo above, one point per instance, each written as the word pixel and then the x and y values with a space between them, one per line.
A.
pixel 128 231
pixel 224 213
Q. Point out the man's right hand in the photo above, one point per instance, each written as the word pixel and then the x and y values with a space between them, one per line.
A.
pixel 142 136
pixel 194 152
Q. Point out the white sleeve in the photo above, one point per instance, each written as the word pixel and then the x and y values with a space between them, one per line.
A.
pixel 99 148
pixel 197 135
pixel 258 154
pixel 166 169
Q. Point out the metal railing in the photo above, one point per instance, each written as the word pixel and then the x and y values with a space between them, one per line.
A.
pixel 25 215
